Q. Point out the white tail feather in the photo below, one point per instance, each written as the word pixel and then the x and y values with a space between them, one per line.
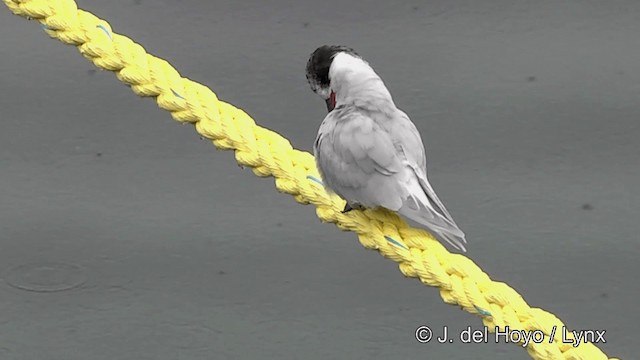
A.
pixel 424 207
pixel 452 235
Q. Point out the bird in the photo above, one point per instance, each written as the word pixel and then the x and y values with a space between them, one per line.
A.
pixel 367 150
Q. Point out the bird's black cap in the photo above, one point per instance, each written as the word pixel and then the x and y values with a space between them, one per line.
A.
pixel 320 62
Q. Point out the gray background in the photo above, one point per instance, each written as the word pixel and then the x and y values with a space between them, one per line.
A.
pixel 530 115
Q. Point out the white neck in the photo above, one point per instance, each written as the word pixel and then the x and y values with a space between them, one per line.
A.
pixel 356 83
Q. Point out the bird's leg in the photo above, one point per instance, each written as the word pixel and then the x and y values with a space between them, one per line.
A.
pixel 347 208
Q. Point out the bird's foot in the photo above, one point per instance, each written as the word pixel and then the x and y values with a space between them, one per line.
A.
pixel 348 207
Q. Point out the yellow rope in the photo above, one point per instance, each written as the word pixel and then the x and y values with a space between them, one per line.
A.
pixel 459 279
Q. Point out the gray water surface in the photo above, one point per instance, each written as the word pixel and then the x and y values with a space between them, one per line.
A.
pixel 123 236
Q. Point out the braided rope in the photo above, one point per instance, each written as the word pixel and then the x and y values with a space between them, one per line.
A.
pixel 419 255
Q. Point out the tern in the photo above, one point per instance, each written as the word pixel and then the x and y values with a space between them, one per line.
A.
pixel 367 150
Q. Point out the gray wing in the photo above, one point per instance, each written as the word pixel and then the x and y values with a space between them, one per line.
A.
pixel 359 161
pixel 423 205
pixel 404 132
pixel 374 160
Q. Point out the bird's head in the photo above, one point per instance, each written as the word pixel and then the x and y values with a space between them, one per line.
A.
pixel 318 67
